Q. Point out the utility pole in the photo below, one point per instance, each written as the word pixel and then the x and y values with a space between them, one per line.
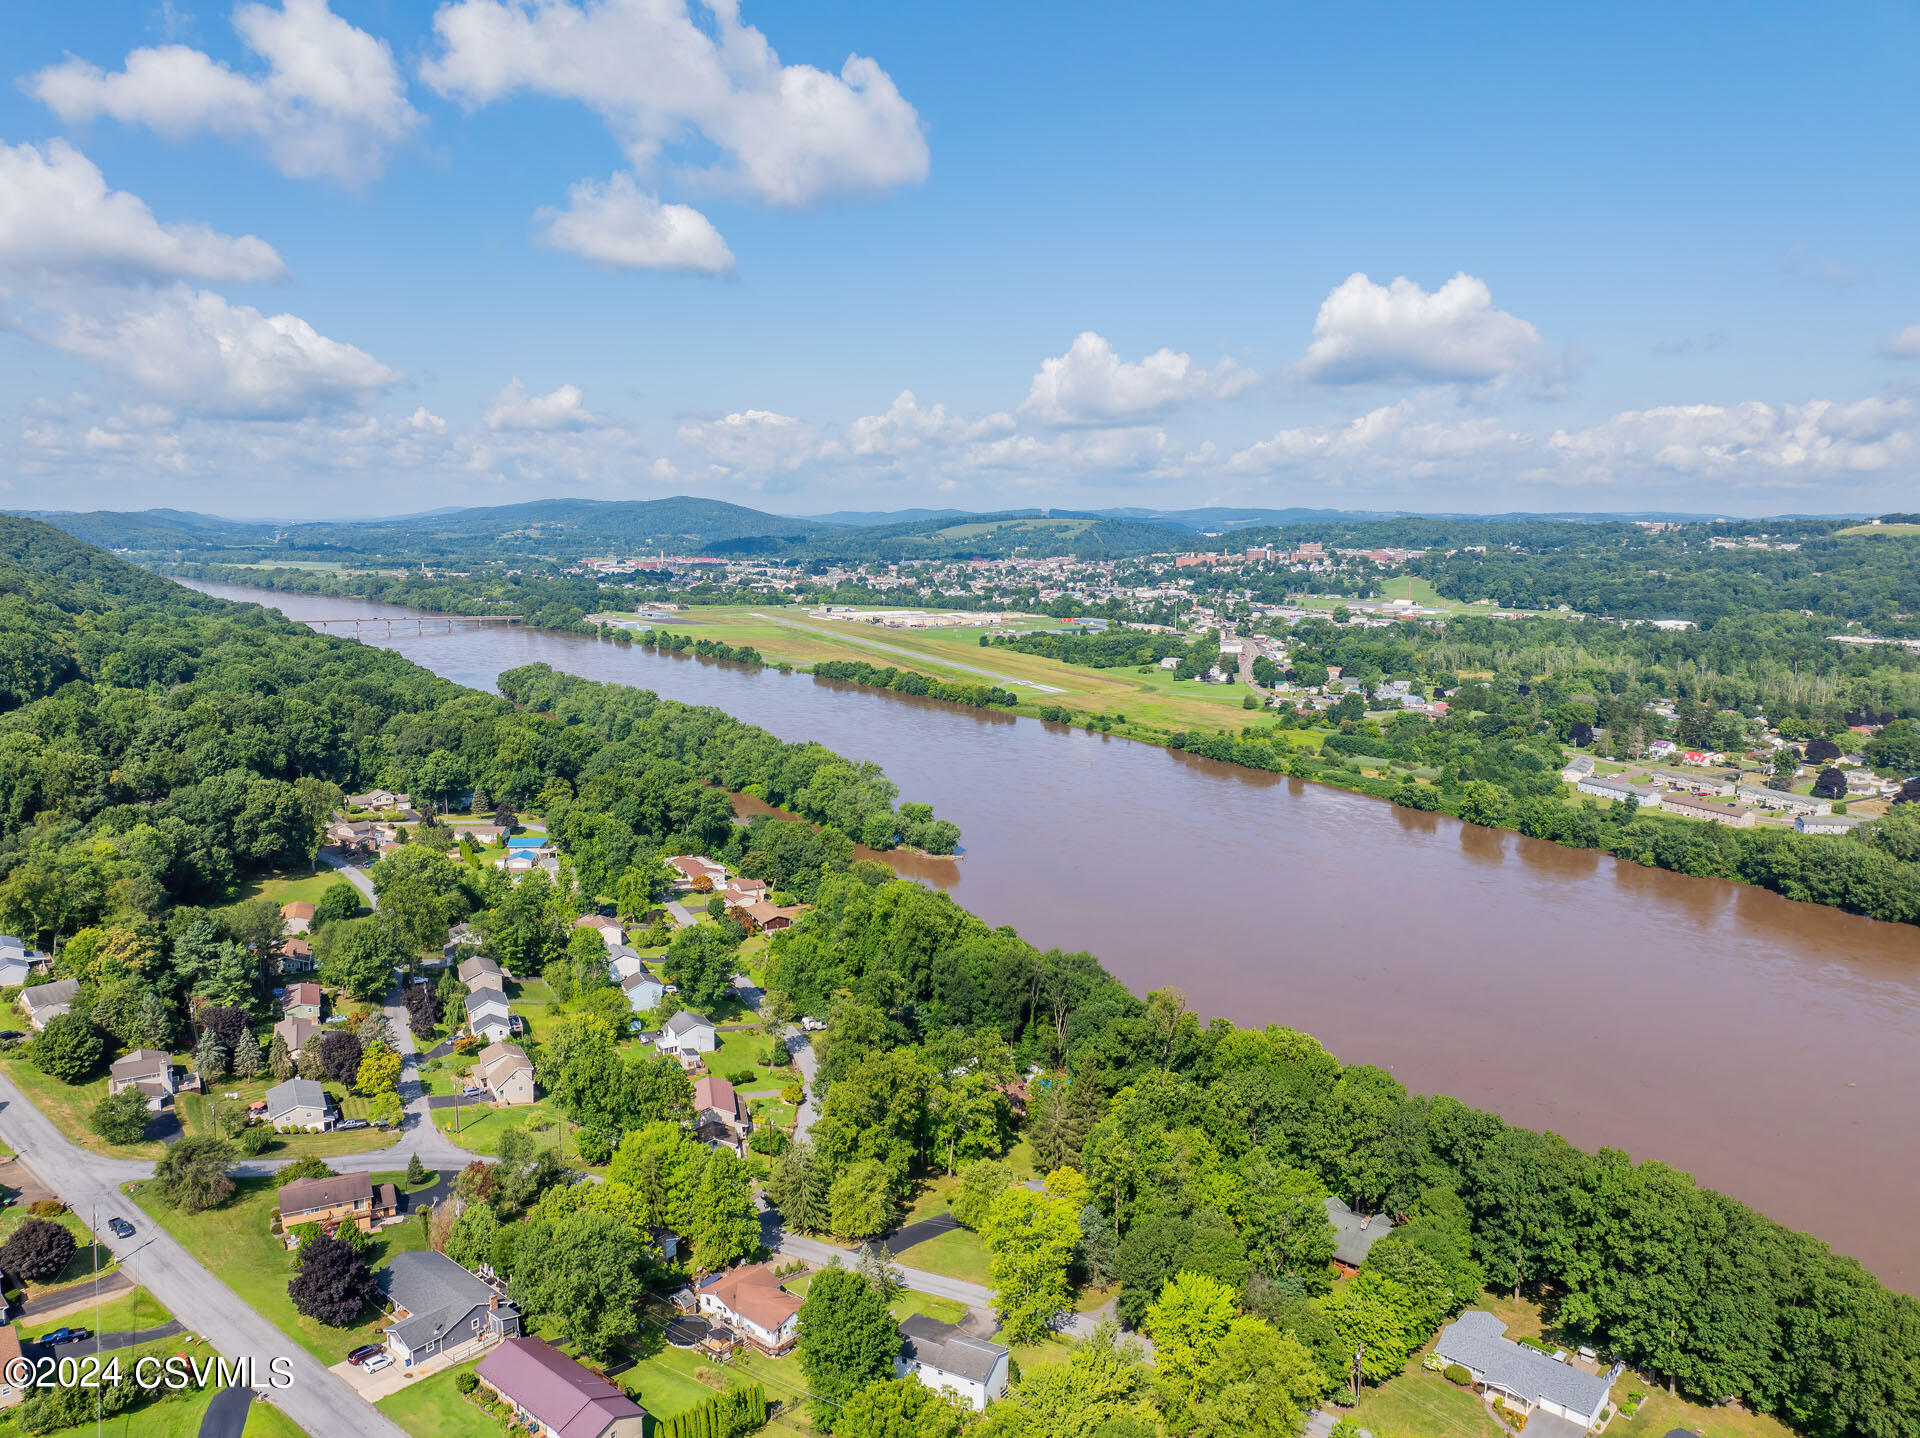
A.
pixel 1359 1353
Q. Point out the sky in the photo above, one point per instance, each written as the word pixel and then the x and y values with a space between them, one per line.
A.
pixel 300 259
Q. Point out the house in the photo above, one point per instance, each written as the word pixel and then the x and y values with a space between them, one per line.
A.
pixel 297 917
pixel 460 937
pixel 1828 823
pixel 750 1300
pixel 700 874
pixel 1761 797
pixel 686 1036
pixel 1663 748
pixel 945 1359
pixel 11 1392
pixel 303 1001
pixel 623 963
pixel 440 1310
pixel 644 990
pixel 43 1002
pixel 1578 767
pixel 741 892
pixel 719 1115
pixel 296 956
pixel 1865 781
pixel 505 1072
pixel 1354 1234
pixel 480 971
pixel 298 1104
pixel 1691 806
pixel 1618 790
pixel 352 834
pixel 381 799
pixel 609 930
pixel 148 1070
pixel 488 1015
pixel 18 963
pixel 296 1032
pixel 770 919
pixel 554 1397
pixel 481 831
pixel 1525 1377
pixel 336 1199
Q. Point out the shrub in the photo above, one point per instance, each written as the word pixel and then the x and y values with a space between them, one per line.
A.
pixel 46 1208
pixel 120 1117
pixel 255 1140
pixel 742 1077
pixel 768 1140
pixel 794 1092
pixel 68 1048
pixel 780 1055
pixel 307 1167
pixel 1457 1375
pixel 467 1382
pixel 37 1249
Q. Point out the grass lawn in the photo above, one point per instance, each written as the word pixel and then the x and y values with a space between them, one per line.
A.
pixel 434 1408
pixel 79 1268
pixel 234 1242
pixel 1419 1404
pixel 1662 1413
pixel 123 1313
pixel 959 1254
pixel 480 1129
pixel 70 1105
pixel 197 1117
pixel 672 1380
pixel 910 1302
pixel 291 886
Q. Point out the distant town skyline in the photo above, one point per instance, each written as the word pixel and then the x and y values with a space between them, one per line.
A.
pixel 298 260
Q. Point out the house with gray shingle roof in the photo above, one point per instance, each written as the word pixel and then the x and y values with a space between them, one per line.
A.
pixel 440 1310
pixel 1525 1377
pixel 947 1360
pixel 1354 1234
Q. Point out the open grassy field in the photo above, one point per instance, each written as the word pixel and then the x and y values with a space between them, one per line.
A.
pixel 123 1313
pixel 960 1253
pixel 1419 1404
pixel 235 1242
pixel 1156 698
pixel 70 1105
pixel 291 886
pixel 1895 530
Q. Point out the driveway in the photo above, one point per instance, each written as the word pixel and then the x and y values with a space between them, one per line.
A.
pixel 908 1234
pixel 226 1416
pixel 819 1251
pixel 107 1342
pixel 800 1046
pixel 90 1183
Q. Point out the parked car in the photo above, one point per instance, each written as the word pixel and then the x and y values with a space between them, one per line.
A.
pixel 65 1335
pixel 347 1123
pixel 121 1227
pixel 363 1353
pixel 377 1362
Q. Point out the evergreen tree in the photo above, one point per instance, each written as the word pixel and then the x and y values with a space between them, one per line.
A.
pixel 209 1058
pixel 279 1061
pixel 726 1225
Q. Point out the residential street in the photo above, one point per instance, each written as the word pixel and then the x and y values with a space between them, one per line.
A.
pixel 318 1401
pixel 800 1045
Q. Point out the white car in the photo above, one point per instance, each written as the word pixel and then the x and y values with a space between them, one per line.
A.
pixel 812 1026
pixel 376 1363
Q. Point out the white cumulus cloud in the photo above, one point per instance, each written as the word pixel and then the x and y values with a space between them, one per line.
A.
pixel 660 75
pixel 909 428
pixel 1743 443
pixel 331 102
pixel 514 409
pixel 1090 384
pixel 1400 438
pixel 621 225
pixel 753 442
pixel 59 220
pixel 1904 345
pixel 195 349
pixel 1400 334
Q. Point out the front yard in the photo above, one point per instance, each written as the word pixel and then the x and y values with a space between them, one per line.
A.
pixel 79 1269
pixel 235 1243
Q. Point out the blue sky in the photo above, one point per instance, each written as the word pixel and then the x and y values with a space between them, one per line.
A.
pixel 292 259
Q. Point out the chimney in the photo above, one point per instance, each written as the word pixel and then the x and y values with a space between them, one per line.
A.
pixel 493 1301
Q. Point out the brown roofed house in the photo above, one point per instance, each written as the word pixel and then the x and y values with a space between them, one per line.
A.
pixel 297 916
pixel 751 1300
pixel 338 1198
pixel 505 1072
pixel 719 1114
pixel 303 1001
pixel 771 918
pixel 477 968
pixel 296 956
pixel 554 1397
pixel 148 1070
pixel 296 1031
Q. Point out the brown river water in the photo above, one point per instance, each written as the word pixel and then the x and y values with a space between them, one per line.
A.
pixel 1769 1047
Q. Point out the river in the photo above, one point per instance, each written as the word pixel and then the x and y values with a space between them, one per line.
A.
pixel 1771 1048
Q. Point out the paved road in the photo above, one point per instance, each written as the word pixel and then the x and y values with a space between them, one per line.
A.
pixel 354 875
pixel 815 1250
pixel 38 1310
pixel 682 915
pixel 318 1401
pixel 913 654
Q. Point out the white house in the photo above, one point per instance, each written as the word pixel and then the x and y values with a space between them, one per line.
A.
pixel 1761 797
pixel 45 1002
pixel 16 964
pixel 944 1358
pixel 687 1035
pixel 1525 1377
pixel 1577 768
pixel 1828 823
pixel 299 1104
pixel 488 1016
pixel 750 1300
pixel 1602 786
pixel 623 963
pixel 644 990
pixel 609 930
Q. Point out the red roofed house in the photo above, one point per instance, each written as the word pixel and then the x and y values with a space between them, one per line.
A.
pixel 555 1397
pixel 719 1115
pixel 750 1300
pixel 302 1002
pixel 770 918
pixel 297 916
